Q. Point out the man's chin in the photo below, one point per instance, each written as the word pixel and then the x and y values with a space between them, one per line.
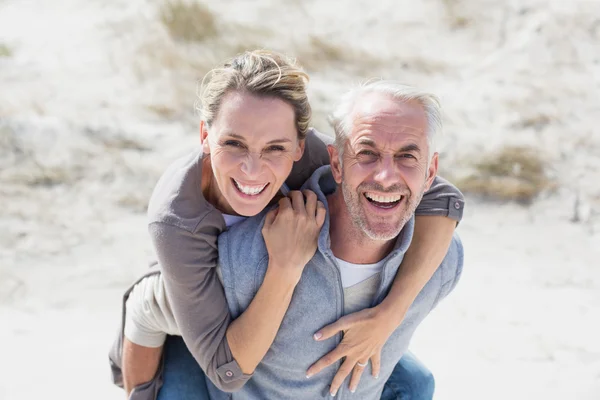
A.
pixel 382 231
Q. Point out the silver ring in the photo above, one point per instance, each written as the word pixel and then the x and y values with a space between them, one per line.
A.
pixel 361 364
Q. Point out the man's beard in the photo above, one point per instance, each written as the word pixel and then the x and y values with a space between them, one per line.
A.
pixel 357 211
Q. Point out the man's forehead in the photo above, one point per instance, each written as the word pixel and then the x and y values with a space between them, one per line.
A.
pixel 388 126
pixel 382 104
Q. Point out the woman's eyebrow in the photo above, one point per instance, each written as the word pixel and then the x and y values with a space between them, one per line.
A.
pixel 284 140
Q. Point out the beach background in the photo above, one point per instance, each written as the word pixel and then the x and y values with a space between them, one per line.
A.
pixel 97 98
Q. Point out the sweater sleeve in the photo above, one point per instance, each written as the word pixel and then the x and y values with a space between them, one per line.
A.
pixel 188 261
pixel 442 198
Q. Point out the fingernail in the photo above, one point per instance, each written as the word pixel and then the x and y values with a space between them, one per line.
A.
pixel 318 335
pixel 352 390
pixel 333 393
pixel 377 376
pixel 308 376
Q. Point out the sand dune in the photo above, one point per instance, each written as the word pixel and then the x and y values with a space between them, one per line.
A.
pixel 96 98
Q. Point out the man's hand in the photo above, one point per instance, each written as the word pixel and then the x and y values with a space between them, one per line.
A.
pixel 365 333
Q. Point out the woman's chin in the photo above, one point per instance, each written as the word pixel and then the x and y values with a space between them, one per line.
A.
pixel 249 208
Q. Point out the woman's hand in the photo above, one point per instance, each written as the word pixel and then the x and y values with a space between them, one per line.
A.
pixel 291 231
pixel 365 333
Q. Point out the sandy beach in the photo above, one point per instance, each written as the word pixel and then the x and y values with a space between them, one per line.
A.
pixel 97 98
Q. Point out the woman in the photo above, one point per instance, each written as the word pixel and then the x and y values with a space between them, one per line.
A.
pixel 254 133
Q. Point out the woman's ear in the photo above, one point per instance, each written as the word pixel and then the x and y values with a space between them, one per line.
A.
pixel 299 150
pixel 204 137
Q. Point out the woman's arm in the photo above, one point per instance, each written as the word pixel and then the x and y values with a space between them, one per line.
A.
pixel 229 351
pixel 366 331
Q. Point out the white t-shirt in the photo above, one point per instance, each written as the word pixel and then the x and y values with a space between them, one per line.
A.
pixel 357 273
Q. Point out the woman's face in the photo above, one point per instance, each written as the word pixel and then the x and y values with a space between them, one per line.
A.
pixel 253 144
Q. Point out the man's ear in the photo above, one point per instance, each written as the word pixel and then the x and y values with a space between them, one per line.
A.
pixel 204 137
pixel 299 150
pixel 432 171
pixel 334 161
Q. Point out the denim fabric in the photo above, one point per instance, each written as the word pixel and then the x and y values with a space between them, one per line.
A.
pixel 184 380
pixel 182 377
pixel 410 380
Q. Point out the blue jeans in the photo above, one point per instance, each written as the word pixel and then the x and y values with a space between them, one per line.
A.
pixel 184 380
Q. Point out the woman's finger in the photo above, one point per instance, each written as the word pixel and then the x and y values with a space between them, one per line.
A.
pixel 269 218
pixel 341 375
pixel 331 329
pixel 356 374
pixel 325 361
pixel 321 213
pixel 376 364
pixel 311 202
pixel 298 201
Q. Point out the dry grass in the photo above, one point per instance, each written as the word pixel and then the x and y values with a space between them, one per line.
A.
pixel 456 18
pixel 188 21
pixel 5 51
pixel 319 53
pixel 512 174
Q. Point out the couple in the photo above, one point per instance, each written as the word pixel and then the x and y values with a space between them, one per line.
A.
pixel 293 295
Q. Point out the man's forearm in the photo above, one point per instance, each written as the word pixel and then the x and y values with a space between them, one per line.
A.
pixel 253 332
pixel 431 239
pixel 139 364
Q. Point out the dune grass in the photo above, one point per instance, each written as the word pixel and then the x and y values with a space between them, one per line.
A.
pixel 513 173
pixel 188 21
pixel 5 51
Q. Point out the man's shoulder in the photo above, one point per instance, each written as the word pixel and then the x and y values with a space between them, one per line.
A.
pixel 242 245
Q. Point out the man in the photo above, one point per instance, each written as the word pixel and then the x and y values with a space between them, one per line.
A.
pixel 381 164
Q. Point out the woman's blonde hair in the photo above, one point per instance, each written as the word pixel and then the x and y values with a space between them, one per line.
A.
pixel 261 73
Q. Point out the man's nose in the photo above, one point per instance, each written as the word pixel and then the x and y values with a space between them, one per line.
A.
pixel 387 173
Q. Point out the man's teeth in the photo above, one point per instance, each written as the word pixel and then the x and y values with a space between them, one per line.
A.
pixel 392 198
pixel 250 190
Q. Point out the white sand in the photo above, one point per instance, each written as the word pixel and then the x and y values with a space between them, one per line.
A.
pixel 81 148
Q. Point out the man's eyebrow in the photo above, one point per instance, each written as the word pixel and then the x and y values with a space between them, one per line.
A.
pixel 405 149
pixel 367 142
pixel 410 147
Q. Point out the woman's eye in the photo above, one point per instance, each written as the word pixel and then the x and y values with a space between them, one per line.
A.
pixel 233 143
pixel 275 148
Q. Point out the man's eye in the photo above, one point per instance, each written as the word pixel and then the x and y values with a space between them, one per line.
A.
pixel 408 156
pixel 367 153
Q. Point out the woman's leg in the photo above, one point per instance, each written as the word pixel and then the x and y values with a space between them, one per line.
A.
pixel 183 379
pixel 410 380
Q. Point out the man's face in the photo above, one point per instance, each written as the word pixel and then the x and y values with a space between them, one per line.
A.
pixel 385 168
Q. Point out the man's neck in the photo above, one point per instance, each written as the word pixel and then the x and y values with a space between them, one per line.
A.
pixel 349 242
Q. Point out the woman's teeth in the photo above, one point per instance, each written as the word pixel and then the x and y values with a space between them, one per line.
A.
pixel 249 190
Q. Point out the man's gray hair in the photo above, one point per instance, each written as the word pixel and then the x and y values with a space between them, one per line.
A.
pixel 341 119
